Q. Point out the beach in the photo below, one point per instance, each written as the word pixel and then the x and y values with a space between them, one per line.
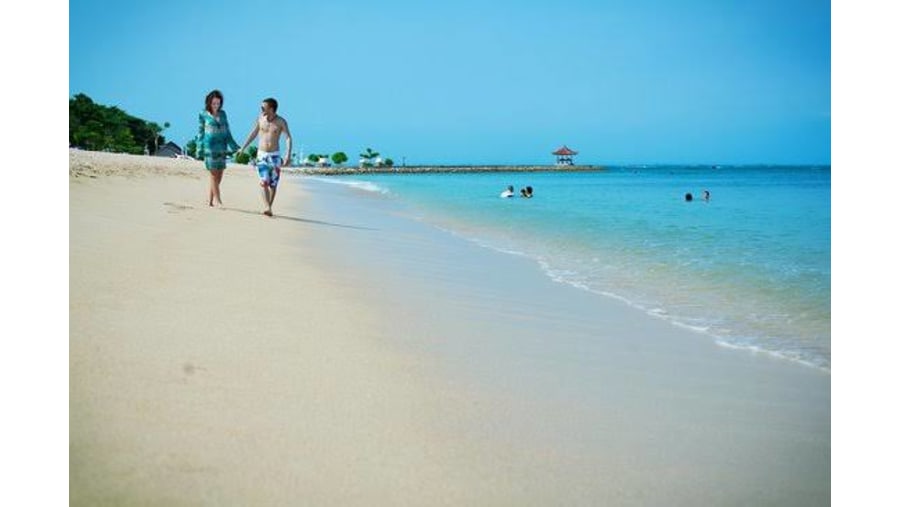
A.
pixel 340 354
pixel 331 170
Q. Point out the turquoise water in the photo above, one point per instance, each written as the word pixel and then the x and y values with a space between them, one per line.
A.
pixel 750 268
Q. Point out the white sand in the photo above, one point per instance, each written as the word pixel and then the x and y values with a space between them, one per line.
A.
pixel 210 366
pixel 220 357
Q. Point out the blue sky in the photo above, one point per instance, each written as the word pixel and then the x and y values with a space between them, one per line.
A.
pixel 478 82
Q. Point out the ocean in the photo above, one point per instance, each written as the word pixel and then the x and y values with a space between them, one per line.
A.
pixel 749 269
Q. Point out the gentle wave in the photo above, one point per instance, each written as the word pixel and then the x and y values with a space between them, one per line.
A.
pixel 367 186
pixel 779 354
pixel 750 269
pixel 570 278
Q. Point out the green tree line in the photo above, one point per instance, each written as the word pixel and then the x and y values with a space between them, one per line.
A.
pixel 97 127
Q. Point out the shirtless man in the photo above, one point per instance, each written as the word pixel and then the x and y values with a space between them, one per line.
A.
pixel 269 126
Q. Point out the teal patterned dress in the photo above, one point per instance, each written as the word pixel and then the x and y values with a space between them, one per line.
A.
pixel 214 140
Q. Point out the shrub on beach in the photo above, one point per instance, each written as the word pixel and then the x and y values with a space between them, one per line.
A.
pixel 242 158
pixel 339 158
pixel 246 156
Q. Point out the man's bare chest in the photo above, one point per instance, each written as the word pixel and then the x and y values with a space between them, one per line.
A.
pixel 269 127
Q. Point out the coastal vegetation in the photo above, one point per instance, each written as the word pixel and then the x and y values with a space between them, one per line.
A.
pixel 97 127
pixel 191 148
pixel 246 156
pixel 315 158
pixel 339 158
pixel 322 159
pixel 367 159
pixel 371 159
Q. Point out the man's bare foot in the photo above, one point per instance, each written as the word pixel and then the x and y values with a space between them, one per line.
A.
pixel 267 213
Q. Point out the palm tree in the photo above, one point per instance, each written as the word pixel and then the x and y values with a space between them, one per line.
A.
pixel 368 156
pixel 156 130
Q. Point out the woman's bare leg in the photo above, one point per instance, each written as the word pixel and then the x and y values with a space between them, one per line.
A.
pixel 217 180
pixel 212 186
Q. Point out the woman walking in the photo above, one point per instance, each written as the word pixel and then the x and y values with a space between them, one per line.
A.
pixel 214 143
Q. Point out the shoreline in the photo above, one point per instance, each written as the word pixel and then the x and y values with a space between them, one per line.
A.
pixel 440 169
pixel 715 307
pixel 497 324
pixel 343 353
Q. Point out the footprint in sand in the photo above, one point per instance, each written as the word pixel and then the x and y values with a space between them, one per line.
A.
pixel 190 369
pixel 177 207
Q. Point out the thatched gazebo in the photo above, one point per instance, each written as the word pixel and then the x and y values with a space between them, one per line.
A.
pixel 564 156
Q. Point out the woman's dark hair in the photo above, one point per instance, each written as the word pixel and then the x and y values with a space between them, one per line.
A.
pixel 212 95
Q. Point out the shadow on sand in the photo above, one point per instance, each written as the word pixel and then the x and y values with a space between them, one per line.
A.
pixel 298 219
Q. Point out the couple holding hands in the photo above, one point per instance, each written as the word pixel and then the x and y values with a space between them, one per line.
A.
pixel 215 141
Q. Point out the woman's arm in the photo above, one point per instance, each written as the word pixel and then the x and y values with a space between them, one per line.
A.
pixel 230 139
